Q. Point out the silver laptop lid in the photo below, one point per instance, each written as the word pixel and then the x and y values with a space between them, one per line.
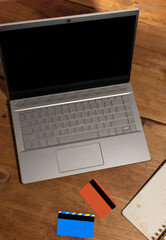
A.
pixel 62 54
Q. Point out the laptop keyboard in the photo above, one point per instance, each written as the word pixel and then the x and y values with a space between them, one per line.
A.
pixel 78 121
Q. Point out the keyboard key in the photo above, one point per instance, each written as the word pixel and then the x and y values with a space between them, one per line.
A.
pixel 106 110
pixel 99 111
pixel 80 107
pixel 86 128
pixel 72 116
pixel 119 115
pixel 22 116
pixel 101 104
pixel 87 106
pixel 133 128
pixel 119 130
pixel 94 105
pixel 52 142
pixel 119 98
pixel 129 114
pixel 56 133
pixel 112 131
pixel 25 124
pixel 126 129
pixel 128 107
pixel 131 120
pixel 44 143
pixel 120 122
pixel 72 130
pixel 78 129
pixel 27 130
pixel 64 131
pixel 41 121
pixel 44 113
pixel 117 102
pixel 102 118
pixel 35 144
pixel 64 117
pixel 120 108
pixel 103 133
pixel 112 98
pixel 78 137
pixel 29 116
pixel 58 110
pixel 89 120
pixel 51 111
pixel 37 114
pixel 108 103
pixel 93 127
pixel 66 109
pixel 81 121
pixel 69 124
pixel 27 145
pixel 35 122
pixel 45 128
pixel 113 109
pixel 78 115
pixel 57 125
pixel 73 123
pixel 95 119
pixel 107 124
pixel 50 134
pixel 125 99
pixel 93 113
pixel 85 114
pixel 41 136
pixel 100 125
pixel 110 117
pixel 30 137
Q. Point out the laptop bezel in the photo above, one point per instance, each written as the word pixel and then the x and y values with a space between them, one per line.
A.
pixel 68 20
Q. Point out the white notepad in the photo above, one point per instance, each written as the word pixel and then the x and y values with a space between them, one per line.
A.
pixel 147 210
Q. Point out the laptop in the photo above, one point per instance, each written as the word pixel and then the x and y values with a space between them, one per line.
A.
pixel 72 105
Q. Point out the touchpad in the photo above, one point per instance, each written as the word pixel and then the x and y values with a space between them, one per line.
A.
pixel 79 157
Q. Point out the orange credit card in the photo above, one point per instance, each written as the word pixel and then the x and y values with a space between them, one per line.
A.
pixel 97 198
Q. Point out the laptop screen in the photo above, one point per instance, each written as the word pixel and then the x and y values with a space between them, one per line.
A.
pixel 67 56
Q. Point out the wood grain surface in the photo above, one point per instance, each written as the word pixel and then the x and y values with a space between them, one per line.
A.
pixel 151 12
pixel 30 211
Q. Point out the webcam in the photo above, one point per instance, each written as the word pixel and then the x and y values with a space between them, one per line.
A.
pixel 68 20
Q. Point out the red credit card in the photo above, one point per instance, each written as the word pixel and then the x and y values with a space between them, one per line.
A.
pixel 97 198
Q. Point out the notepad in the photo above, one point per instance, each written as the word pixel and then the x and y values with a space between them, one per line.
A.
pixel 147 210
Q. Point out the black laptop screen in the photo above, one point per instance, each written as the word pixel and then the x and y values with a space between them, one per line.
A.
pixel 63 57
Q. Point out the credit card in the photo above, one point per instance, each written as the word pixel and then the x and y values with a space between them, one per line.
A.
pixel 75 224
pixel 97 198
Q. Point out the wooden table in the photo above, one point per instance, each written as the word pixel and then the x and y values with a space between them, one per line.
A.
pixel 30 211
